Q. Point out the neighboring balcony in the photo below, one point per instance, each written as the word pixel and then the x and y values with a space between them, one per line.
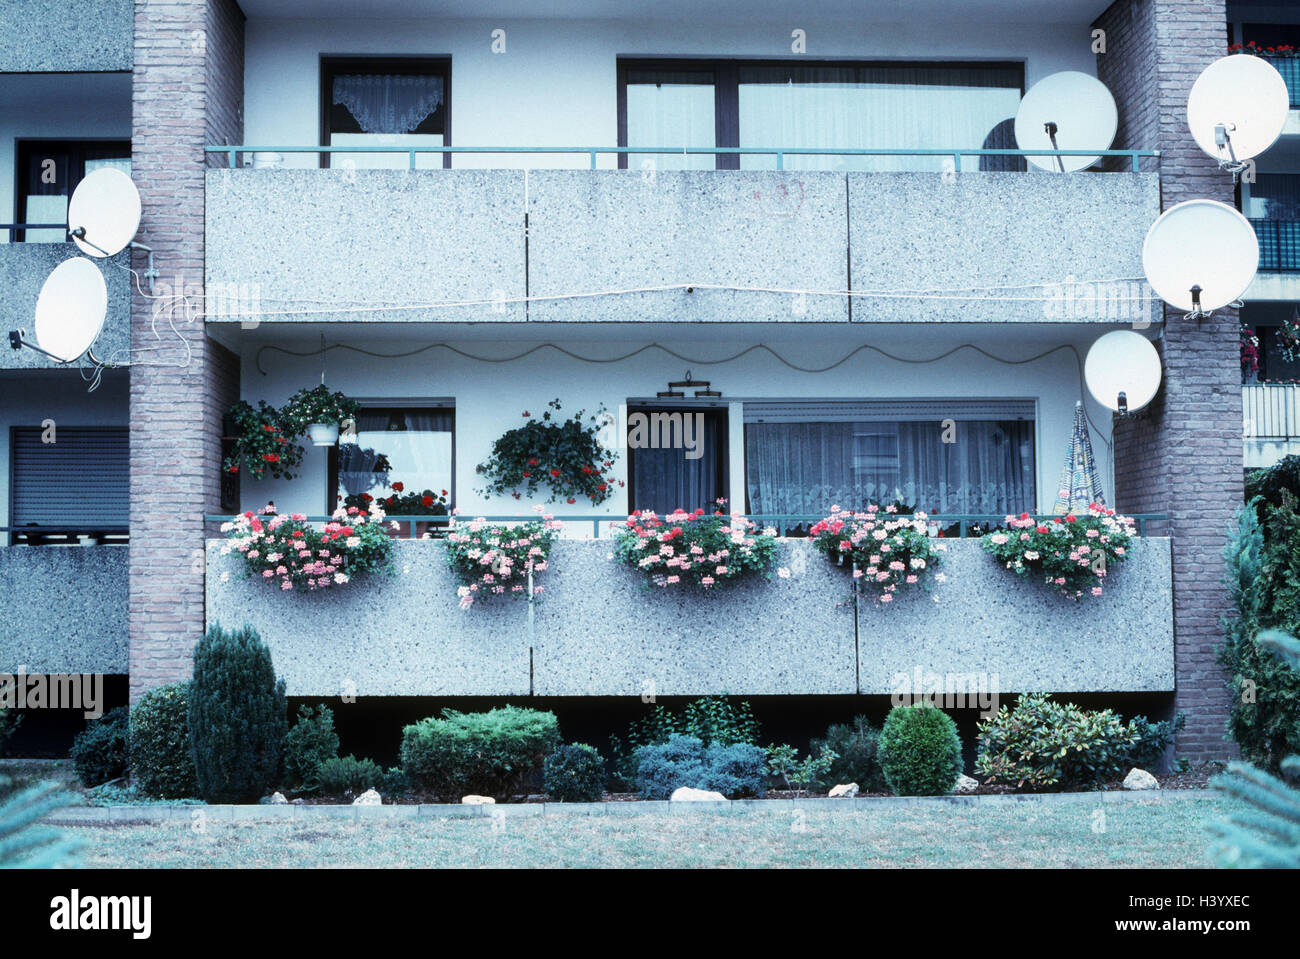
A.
pixel 598 631
pixel 782 246
pixel 1271 422
pixel 67 36
pixel 24 268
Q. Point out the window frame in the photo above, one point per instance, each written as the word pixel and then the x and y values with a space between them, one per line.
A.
pixel 76 149
pixel 723 455
pixel 726 87
pixel 391 406
pixel 413 65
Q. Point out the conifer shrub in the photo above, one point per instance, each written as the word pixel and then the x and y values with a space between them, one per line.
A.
pixel 491 754
pixel 920 752
pixel 575 773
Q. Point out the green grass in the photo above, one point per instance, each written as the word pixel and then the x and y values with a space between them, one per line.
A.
pixel 1168 833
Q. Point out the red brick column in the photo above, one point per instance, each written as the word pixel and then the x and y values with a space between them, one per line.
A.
pixel 1184 456
pixel 187 89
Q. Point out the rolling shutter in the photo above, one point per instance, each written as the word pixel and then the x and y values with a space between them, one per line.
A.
pixel 82 479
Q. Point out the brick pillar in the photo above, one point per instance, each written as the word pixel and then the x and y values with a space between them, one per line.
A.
pixel 1183 457
pixel 187 88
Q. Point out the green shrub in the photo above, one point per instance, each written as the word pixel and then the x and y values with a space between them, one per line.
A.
pixel 1045 744
pixel 1267 484
pixel 238 717
pixel 796 773
pixel 710 719
pixel 310 742
pixel 490 753
pixel 1152 739
pixel 100 752
pixel 855 746
pixel 394 782
pixel 343 775
pixel 735 770
pixel 920 753
pixel 162 757
pixel 575 773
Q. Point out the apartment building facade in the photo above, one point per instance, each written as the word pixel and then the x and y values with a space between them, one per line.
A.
pixel 455 219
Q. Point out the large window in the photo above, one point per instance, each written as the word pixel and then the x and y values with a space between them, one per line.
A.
pixel 830 105
pixel 677 458
pixel 79 482
pixel 413 446
pixel 47 173
pixel 802 458
pixel 402 102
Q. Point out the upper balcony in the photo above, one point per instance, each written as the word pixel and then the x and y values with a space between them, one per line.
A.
pixel 67 36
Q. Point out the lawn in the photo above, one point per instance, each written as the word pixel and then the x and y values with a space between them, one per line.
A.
pixel 1162 833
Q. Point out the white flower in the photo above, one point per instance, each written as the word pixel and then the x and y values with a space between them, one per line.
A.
pixel 783 572
pixel 340 578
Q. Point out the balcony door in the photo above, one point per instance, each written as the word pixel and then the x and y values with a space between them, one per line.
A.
pixel 386 102
pixel 47 173
pixel 677 458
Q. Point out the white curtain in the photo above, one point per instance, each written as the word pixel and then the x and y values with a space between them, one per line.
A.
pixel 670 114
pixel 384 103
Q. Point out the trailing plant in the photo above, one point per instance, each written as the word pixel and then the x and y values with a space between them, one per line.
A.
pixel 885 549
pixel 238 716
pixel 799 774
pixel 100 752
pixel 490 753
pixel 574 773
pixel 496 559
pixel 920 753
pixel 566 455
pixel 1072 553
pixel 317 405
pixel 162 756
pixel 308 745
pixel 694 548
pixel 344 775
pixel 855 747
pixel 262 444
pixel 297 555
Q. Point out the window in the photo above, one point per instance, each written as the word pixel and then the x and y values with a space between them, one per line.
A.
pixel 802 458
pixel 47 173
pixel 414 446
pixel 80 482
pixel 401 102
pixel 831 105
pixel 677 458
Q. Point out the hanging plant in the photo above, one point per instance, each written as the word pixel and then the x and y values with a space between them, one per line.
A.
pixel 262 445
pixel 694 548
pixel 885 548
pixel 495 560
pixel 566 455
pixel 1071 553
pixel 1250 353
pixel 320 412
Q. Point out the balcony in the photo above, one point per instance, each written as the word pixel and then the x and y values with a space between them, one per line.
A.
pixel 1270 421
pixel 23 270
pixel 562 246
pixel 67 36
pixel 598 632
pixel 64 609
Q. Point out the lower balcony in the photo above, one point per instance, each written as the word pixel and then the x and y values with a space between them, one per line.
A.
pixel 1270 422
pixel 596 631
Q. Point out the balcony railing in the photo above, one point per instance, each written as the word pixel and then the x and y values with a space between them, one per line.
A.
pixel 1289 67
pixel 1270 411
pixel 1279 245
pixel 780 153
pixel 13 230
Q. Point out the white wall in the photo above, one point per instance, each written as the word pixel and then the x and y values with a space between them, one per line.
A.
pixel 556 83
pixel 490 397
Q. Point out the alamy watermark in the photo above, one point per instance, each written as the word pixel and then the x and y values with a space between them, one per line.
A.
pixel 948 690
pixel 23 690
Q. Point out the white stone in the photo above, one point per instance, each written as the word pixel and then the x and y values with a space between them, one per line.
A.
pixel 843 791
pixel 687 794
pixel 477 801
pixel 965 784
pixel 1140 779
pixel 277 799
pixel 368 798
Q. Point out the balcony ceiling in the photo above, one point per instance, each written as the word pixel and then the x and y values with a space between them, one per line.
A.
pixel 882 11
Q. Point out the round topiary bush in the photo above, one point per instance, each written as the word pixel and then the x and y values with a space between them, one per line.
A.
pixel 575 773
pixel 162 760
pixel 99 753
pixel 919 751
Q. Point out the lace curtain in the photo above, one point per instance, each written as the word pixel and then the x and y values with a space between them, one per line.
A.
pixel 384 103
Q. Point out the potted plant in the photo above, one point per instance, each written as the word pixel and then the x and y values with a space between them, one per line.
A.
pixel 318 412
pixel 566 455
pixel 402 503
pixel 261 444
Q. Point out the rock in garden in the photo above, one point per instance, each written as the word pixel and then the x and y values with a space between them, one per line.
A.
pixel 277 799
pixel 1140 779
pixel 477 801
pixel 368 798
pixel 844 791
pixel 687 794
pixel 965 784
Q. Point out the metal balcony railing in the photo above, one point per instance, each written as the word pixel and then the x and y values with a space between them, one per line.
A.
pixel 1279 245
pixel 13 229
pixel 1289 67
pixel 1270 411
pixel 232 152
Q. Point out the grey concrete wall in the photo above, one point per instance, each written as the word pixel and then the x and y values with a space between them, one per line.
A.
pixel 597 631
pixel 66 36
pixel 63 609
pixel 400 236
pixel 368 238
pixel 24 268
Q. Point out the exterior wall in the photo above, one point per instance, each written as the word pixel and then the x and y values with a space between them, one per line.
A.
pixel 65 36
pixel 598 631
pixel 1184 455
pixel 176 394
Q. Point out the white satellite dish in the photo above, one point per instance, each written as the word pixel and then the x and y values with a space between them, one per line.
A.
pixel 71 308
pixel 1066 111
pixel 104 212
pixel 1237 109
pixel 1200 255
pixel 1122 371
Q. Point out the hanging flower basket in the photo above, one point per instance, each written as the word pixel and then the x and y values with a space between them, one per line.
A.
pixel 887 549
pixel 568 456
